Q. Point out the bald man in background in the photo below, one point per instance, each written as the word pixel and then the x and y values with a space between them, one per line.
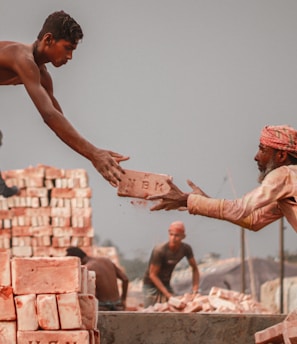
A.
pixel 163 260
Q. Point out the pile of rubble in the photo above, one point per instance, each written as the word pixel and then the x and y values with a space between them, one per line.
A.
pixel 217 301
pixel 281 333
pixel 47 300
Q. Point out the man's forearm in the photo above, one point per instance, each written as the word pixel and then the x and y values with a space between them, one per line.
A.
pixel 69 135
pixel 234 212
pixel 124 290
pixel 160 286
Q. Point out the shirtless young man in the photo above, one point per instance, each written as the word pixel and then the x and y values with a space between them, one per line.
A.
pixel 107 275
pixel 26 64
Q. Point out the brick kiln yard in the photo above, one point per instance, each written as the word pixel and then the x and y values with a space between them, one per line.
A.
pixel 46 298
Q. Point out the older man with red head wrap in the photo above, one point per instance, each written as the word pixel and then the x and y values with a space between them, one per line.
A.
pixel 274 198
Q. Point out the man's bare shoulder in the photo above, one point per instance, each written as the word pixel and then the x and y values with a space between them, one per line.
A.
pixel 99 261
pixel 12 55
pixel 8 47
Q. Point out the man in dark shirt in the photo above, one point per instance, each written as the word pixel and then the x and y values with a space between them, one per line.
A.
pixel 164 258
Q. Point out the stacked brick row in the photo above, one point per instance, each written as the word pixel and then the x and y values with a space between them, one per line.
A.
pixel 47 300
pixel 51 212
pixel 217 301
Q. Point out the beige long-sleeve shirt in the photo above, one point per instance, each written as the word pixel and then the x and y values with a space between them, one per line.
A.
pixel 274 198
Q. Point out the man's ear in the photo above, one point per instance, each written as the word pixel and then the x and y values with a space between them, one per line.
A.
pixel 47 38
pixel 282 156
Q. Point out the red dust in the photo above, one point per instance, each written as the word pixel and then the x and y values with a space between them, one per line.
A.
pixel 139 203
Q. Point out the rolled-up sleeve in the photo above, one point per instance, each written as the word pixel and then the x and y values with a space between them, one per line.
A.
pixel 254 210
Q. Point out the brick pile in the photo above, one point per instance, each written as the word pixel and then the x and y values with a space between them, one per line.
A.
pixel 51 212
pixel 284 332
pixel 217 301
pixel 47 300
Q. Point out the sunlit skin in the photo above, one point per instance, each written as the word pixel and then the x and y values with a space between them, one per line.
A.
pixel 26 64
pixel 111 282
pixel 57 52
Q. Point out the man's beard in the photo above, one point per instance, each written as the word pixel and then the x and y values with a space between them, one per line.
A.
pixel 271 165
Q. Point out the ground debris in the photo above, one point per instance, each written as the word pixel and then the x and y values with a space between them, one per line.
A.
pixel 217 301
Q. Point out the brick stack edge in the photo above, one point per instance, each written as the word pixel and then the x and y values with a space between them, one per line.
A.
pixel 52 212
pixel 46 297
pixel 47 300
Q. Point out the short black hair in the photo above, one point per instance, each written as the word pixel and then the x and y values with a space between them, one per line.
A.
pixel 62 26
pixel 75 252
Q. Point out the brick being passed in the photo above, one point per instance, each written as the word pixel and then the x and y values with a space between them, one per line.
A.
pixel 142 184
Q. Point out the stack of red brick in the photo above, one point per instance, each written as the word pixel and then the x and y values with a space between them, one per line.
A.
pixel 217 301
pixel 47 300
pixel 281 333
pixel 51 212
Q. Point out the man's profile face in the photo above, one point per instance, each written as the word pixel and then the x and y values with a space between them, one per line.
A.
pixel 265 159
pixel 59 52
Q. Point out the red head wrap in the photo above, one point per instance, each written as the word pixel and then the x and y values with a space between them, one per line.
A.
pixel 282 137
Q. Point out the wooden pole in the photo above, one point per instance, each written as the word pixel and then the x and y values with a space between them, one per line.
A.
pixel 281 259
pixel 242 241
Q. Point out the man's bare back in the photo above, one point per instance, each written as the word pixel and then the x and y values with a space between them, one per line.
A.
pixel 107 276
pixel 26 64
pixel 10 53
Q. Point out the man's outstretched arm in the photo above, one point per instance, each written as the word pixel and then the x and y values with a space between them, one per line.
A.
pixel 105 161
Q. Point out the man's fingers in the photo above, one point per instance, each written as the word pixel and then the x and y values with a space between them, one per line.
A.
pixel 156 207
pixel 118 157
pixel 164 205
pixel 113 184
pixel 172 185
pixel 112 175
pixel 194 186
pixel 191 184
pixel 156 197
pixel 121 158
pixel 161 205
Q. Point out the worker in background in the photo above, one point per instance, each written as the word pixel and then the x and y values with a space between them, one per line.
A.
pixel 107 276
pixel 163 260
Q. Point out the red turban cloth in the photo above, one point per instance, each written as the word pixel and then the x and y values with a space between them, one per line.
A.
pixel 281 137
